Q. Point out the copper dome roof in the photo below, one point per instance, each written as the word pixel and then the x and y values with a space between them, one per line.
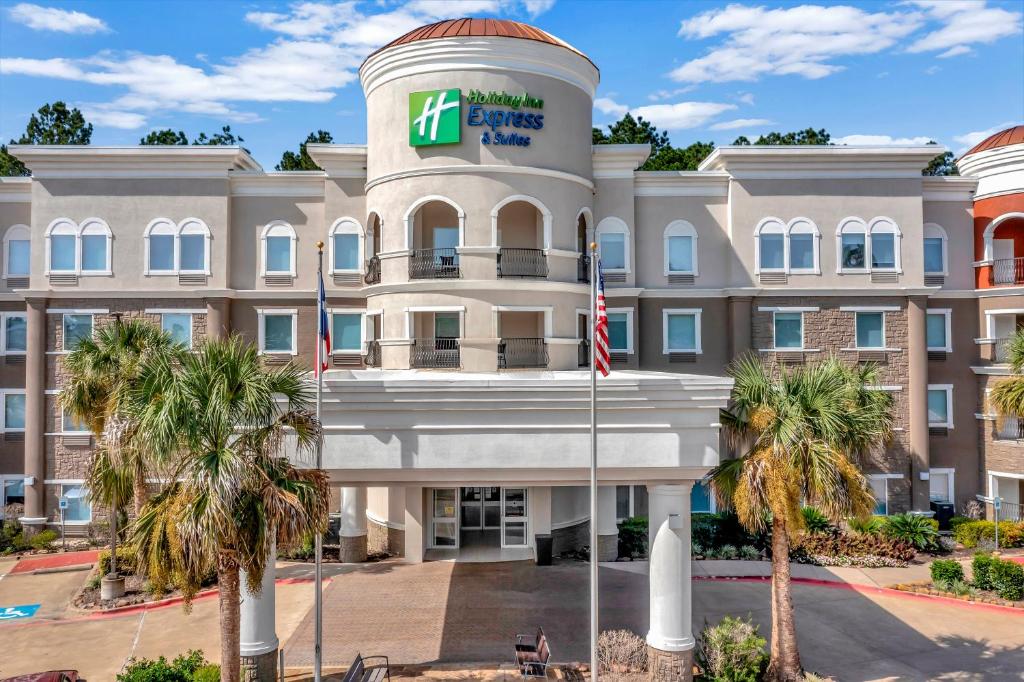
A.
pixel 1004 138
pixel 466 28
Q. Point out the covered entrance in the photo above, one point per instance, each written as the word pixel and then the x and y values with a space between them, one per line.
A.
pixel 480 523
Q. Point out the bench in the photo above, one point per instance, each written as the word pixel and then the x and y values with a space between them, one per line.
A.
pixel 360 672
pixel 533 654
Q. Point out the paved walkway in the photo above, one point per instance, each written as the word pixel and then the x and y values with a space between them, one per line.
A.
pixel 55 561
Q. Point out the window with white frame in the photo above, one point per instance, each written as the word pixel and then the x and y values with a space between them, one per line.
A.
pixel 278 240
pixel 83 249
pixel 630 501
pixel 346 246
pixel 14 409
pixel 681 330
pixel 885 244
pixel 95 249
pixel 770 236
pixel 12 490
pixel 851 243
pixel 346 332
pixel 17 251
pixel 803 243
pixel 277 331
pixel 79 508
pixel 870 329
pixel 69 423
pixel 702 500
pixel 680 248
pixel 620 330
pixel 178 326
pixel 940 485
pixel 938 329
pixel 13 335
pixel 935 256
pixel 879 484
pixel 174 249
pixel 613 245
pixel 788 327
pixel 76 326
pixel 940 405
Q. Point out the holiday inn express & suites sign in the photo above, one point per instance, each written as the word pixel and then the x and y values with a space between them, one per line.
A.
pixel 435 117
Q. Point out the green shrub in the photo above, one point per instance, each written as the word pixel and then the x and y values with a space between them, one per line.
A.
pixel 981 566
pixel 815 521
pixel 971 533
pixel 300 552
pixel 913 528
pixel 732 651
pixel 958 521
pixel 696 550
pixel 1008 579
pixel 839 544
pixel 728 552
pixel 42 539
pixel 872 525
pixel 960 587
pixel 946 570
pixel 208 673
pixel 934 523
pixel 633 537
pixel 181 669
pixel 749 553
pixel 126 560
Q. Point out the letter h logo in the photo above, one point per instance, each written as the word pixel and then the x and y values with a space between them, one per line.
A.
pixel 434 117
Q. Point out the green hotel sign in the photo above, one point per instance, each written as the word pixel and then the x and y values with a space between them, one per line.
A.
pixel 434 117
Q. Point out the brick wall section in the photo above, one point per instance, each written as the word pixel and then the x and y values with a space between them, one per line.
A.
pixel 997 454
pixel 831 330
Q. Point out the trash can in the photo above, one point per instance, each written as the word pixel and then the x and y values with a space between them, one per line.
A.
pixel 545 542
pixel 944 511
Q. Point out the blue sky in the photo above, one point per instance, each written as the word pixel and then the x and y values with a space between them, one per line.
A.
pixel 868 72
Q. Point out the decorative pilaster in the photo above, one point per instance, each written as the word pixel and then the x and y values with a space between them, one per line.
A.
pixel 670 640
pixel 218 317
pixel 917 394
pixel 35 415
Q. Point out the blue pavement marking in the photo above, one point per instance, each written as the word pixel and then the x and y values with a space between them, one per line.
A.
pixel 15 612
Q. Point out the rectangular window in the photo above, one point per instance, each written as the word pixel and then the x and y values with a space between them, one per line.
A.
pixel 62 253
pixel 94 253
pixel 773 251
pixel 700 498
pixel 15 334
pixel 940 485
pixel 789 330
pixel 933 260
pixel 347 332
pixel 883 250
pixel 161 253
pixel 279 254
pixel 192 252
pixel 18 257
pixel 681 332
pixel 76 327
pixel 870 330
pixel 78 510
pixel 14 412
pixel 853 252
pixel 179 326
pixel 618 332
pixel 938 406
pixel 801 252
pixel 880 489
pixel 937 328
pixel 446 325
pixel 346 252
pixel 277 332
pixel 641 506
pixel 13 492
pixel 680 254
pixel 69 424
pixel 613 251
pixel 622 502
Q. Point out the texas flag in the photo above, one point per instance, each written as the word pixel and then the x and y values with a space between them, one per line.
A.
pixel 323 345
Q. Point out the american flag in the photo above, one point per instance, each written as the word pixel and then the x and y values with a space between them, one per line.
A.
pixel 323 340
pixel 601 358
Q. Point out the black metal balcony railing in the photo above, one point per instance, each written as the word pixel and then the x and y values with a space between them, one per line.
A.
pixel 522 352
pixel 372 356
pixel 583 268
pixel 372 270
pixel 434 264
pixel 584 354
pixel 436 353
pixel 1007 271
pixel 515 262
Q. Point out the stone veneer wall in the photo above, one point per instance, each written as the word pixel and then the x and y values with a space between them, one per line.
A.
pixel 996 454
pixel 382 539
pixel 831 330
pixel 570 538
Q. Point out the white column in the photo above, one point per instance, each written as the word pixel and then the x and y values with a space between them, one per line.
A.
pixel 607 524
pixel 257 632
pixel 540 510
pixel 352 534
pixel 671 630
pixel 414 524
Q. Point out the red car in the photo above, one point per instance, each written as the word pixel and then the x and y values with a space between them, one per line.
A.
pixel 49 676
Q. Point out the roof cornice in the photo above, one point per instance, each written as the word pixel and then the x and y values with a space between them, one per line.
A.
pixel 821 161
pixel 339 160
pixel 143 161
pixel 948 188
pixel 278 184
pixel 681 183
pixel 618 160
pixel 15 190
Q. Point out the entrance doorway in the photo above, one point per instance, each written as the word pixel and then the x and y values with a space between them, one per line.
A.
pixel 479 517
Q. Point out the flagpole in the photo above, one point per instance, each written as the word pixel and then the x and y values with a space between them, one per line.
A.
pixel 318 607
pixel 593 463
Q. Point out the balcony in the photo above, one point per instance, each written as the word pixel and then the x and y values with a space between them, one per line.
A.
pixel 517 262
pixel 521 353
pixel 1007 272
pixel 583 268
pixel 1009 428
pixel 435 353
pixel 434 264
pixel 372 275
pixel 372 356
pixel 583 353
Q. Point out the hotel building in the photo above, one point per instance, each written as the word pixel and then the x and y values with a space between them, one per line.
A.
pixel 456 406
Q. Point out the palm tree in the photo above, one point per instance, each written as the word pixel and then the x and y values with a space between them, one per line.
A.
pixel 800 433
pixel 1007 395
pixel 102 375
pixel 227 420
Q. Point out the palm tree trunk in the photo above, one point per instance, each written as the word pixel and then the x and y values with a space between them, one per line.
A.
pixel 230 616
pixel 112 568
pixel 785 657
pixel 139 491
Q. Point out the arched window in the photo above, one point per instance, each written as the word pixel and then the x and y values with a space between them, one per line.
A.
pixel 193 247
pixel 346 247
pixel 851 246
pixel 17 251
pixel 770 246
pixel 172 249
pixel 62 246
pixel 278 249
pixel 802 246
pixel 95 249
pixel 82 249
pixel 680 248
pixel 884 250
pixel 160 235
pixel 613 245
pixel 936 260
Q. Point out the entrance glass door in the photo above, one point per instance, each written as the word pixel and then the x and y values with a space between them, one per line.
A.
pixel 444 519
pixel 514 521
pixel 481 508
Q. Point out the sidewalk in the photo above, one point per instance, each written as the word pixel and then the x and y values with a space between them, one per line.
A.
pixel 58 560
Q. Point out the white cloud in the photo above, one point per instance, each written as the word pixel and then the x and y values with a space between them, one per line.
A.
pixel 932 70
pixel 115 119
pixel 955 51
pixel 803 40
pixel 968 140
pixel 537 7
pixel 53 19
pixel 740 123
pixel 607 105
pixel 681 115
pixel 746 98
pixel 963 23
pixel 881 140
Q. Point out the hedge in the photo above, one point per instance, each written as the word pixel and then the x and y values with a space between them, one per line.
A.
pixel 982 568
pixel 946 570
pixel 1008 579
pixel 970 534
pixel 126 561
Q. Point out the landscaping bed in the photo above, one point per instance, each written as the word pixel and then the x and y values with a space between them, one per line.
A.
pixel 994 581
pixel 137 590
